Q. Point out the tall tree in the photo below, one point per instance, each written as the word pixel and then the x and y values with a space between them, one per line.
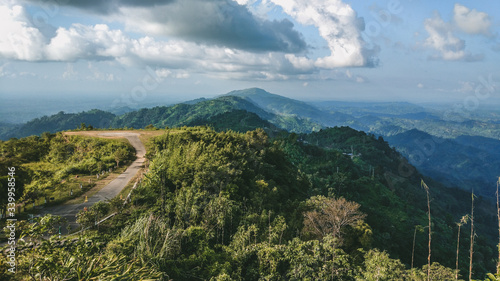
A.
pixel 498 216
pixel 471 251
pixel 420 229
pixel 430 232
pixel 331 215
pixel 463 221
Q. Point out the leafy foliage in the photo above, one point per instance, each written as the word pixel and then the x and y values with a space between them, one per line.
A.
pixel 239 206
pixel 61 122
pixel 237 120
pixel 46 166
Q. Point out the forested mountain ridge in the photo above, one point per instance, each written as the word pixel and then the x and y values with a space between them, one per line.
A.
pixel 161 116
pixel 182 114
pixel 385 119
pixel 466 162
pixel 60 122
pixel 237 120
pixel 241 206
pixel 392 120
pixel 289 107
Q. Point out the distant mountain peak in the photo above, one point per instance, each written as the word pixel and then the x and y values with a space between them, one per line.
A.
pixel 250 92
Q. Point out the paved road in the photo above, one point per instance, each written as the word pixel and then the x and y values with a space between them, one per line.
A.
pixel 110 190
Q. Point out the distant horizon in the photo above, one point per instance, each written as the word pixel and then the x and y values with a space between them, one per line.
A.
pixel 301 94
pixel 400 50
pixel 16 108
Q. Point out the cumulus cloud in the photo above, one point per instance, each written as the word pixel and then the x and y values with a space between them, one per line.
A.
pixel 166 73
pixel 444 36
pixel 223 23
pixel 70 72
pixel 442 39
pixel 471 21
pixel 219 22
pixel 100 6
pixel 229 53
pixel 90 42
pixel 338 24
pixel 173 58
pixel 18 39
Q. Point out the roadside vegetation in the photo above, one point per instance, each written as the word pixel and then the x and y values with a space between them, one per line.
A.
pixel 54 168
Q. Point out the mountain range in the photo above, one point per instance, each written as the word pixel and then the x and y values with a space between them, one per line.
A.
pixel 308 150
pixel 461 153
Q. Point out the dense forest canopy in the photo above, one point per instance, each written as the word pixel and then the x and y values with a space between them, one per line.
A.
pixel 331 205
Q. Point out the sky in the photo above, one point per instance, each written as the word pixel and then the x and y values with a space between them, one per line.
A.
pixel 135 51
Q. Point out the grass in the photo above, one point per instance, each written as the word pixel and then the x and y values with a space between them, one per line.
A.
pixel 90 185
pixel 98 185
pixel 126 190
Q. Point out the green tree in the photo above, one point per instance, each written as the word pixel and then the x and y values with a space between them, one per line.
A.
pixel 318 260
pixel 379 266
pixel 120 155
pixel 91 216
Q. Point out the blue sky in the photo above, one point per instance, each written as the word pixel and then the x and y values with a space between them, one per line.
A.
pixel 401 50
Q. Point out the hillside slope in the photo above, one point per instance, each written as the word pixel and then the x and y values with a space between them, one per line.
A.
pixel 238 206
pixel 463 162
pixel 60 122
pixel 289 107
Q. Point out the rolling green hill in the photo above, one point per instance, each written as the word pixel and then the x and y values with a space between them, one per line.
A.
pixel 468 161
pixel 289 107
pixel 184 114
pixel 61 122
pixel 242 206
pixel 236 120
pixel 463 162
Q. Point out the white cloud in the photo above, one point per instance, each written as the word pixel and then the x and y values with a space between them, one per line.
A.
pixel 338 24
pixel 90 42
pixel 70 72
pixel 99 42
pixel 466 87
pixel 97 74
pixel 245 2
pixel 442 39
pixel 3 71
pixel 420 85
pixel 443 35
pixel 163 73
pixel 301 63
pixel 220 23
pixel 21 40
pixel 471 21
pixel 166 73
pixel 18 39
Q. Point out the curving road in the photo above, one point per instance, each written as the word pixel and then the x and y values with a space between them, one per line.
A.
pixel 110 190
